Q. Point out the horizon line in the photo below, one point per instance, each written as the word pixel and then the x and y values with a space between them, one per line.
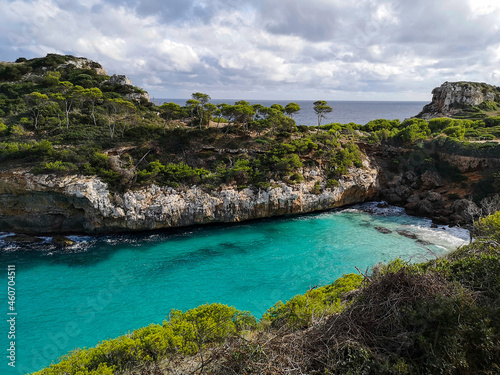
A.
pixel 302 100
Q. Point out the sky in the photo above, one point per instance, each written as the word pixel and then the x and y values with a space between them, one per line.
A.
pixel 267 49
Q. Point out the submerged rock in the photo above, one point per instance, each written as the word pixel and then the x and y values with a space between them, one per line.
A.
pixel 407 233
pixel 383 230
pixel 423 242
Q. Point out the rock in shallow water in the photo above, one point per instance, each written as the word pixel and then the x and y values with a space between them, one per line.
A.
pixel 407 233
pixel 62 241
pixel 383 230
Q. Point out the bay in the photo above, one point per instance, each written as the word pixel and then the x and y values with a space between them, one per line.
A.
pixel 106 286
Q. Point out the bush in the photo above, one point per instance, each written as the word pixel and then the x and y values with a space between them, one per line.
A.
pixel 455 131
pixel 296 178
pixel 317 188
pixel 381 124
pixel 413 130
pixel 184 332
pixel 31 150
pixel 489 227
pixel 241 172
pixel 303 310
pixel 57 167
pixel 13 72
pixel 171 174
pixel 3 129
pixel 345 158
pixel 17 131
pixel 331 184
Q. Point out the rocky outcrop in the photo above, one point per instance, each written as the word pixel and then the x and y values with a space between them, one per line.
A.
pixel 138 96
pixel 119 79
pixel 48 204
pixel 469 163
pixel 135 94
pixel 453 97
pixel 84 63
pixel 434 183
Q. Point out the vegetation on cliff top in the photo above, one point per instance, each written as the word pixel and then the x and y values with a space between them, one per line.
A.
pixel 441 316
pixel 58 118
pixel 62 115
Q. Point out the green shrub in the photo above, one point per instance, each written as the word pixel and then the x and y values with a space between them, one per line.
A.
pixel 455 131
pixel 489 106
pixel 184 332
pixel 296 178
pixel 492 121
pixel 32 150
pixel 17 131
pixel 316 188
pixel 381 124
pixel 3 129
pixel 489 227
pixel 241 172
pixel 171 174
pixel 304 309
pixel 263 185
pixel 346 157
pixel 413 131
pixel 58 167
pixel 331 184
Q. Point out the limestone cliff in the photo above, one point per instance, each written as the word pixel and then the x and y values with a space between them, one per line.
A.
pixel 432 182
pixel 84 63
pixel 48 204
pixel 134 94
pixel 453 97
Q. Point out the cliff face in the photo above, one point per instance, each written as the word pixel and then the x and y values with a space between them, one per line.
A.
pixel 123 80
pixel 452 97
pixel 49 204
pixel 84 63
pixel 440 191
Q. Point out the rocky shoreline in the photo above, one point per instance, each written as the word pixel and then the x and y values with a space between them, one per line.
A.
pixel 445 196
pixel 57 205
pixel 47 204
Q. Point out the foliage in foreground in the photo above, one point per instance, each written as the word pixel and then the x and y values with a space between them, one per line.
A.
pixel 198 329
pixel 439 317
pixel 184 333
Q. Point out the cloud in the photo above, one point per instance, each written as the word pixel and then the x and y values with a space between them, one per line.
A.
pixel 289 49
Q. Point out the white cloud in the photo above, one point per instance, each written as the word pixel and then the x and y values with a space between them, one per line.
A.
pixel 482 7
pixel 181 57
pixel 287 48
pixel 113 48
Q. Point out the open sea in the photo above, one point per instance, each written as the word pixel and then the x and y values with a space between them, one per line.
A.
pixel 106 286
pixel 359 112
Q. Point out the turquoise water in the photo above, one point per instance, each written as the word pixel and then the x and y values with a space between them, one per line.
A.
pixel 106 286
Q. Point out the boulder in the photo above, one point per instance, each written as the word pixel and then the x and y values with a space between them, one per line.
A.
pixel 62 241
pixel 406 233
pixel 383 230
pixel 431 180
pixel 120 79
pixel 425 208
